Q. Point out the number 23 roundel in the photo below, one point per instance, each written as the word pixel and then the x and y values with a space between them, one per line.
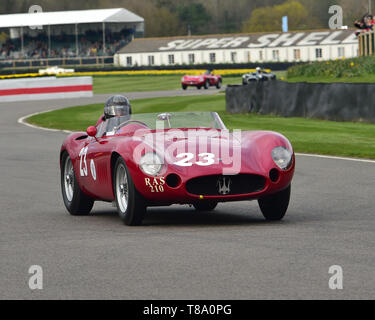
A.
pixel 83 168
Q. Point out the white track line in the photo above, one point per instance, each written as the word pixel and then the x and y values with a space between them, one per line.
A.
pixel 23 122
pixel 335 158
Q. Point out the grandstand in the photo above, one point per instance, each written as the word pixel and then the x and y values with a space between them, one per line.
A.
pixel 67 34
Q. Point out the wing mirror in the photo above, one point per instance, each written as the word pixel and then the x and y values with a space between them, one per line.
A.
pixel 91 131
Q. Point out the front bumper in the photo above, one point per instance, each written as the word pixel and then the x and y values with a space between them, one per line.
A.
pixel 157 191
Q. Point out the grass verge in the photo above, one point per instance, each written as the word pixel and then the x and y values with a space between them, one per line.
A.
pixel 307 135
pixel 124 83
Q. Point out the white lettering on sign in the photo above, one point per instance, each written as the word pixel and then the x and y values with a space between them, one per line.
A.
pixel 172 45
pixel 205 43
pixel 331 38
pixel 351 39
pixel 286 39
pixel 263 41
pixel 236 42
pixel 271 40
pixel 210 43
pixel 220 43
pixel 187 44
pixel 313 38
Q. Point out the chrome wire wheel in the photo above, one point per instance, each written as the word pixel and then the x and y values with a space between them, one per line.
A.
pixel 122 188
pixel 68 179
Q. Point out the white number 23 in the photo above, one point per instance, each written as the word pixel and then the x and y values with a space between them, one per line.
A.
pixel 205 159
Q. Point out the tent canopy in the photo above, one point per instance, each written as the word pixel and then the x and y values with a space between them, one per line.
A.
pixel 69 17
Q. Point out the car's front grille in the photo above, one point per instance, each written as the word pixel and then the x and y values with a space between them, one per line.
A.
pixel 219 185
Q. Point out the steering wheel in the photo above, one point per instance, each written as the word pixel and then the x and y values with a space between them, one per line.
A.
pixel 129 121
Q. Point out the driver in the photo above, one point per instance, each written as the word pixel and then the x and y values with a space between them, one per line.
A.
pixel 117 106
pixel 117 110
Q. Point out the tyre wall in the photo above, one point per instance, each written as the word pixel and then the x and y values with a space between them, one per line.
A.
pixel 329 101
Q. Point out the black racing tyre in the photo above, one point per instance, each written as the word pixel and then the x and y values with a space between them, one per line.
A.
pixel 244 83
pixel 130 204
pixel 275 206
pixel 184 86
pixel 205 206
pixel 199 87
pixel 218 85
pixel 76 202
pixel 206 84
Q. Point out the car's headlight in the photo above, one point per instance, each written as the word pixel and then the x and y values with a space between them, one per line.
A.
pixel 282 157
pixel 151 164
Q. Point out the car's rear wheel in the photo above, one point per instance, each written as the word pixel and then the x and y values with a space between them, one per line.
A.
pixel 206 84
pixel 275 206
pixel 199 87
pixel 76 202
pixel 205 206
pixel 130 204
pixel 219 83
pixel 184 86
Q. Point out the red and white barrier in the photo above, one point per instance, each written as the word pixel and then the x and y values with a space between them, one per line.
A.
pixel 45 88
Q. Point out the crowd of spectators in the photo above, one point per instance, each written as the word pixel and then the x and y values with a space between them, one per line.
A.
pixel 64 46
pixel 365 24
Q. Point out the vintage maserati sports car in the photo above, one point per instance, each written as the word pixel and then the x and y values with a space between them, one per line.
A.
pixel 174 158
pixel 261 75
pixel 206 80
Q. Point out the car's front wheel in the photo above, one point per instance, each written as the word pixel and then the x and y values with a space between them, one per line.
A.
pixel 184 86
pixel 76 202
pixel 275 206
pixel 130 204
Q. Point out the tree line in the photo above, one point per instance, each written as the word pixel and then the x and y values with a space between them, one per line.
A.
pixel 181 17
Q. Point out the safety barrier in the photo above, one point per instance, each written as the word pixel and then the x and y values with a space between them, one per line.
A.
pixel 45 88
pixel 329 101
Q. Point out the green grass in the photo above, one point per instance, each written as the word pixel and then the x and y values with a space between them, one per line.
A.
pixel 124 83
pixel 369 78
pixel 307 135
pixel 354 70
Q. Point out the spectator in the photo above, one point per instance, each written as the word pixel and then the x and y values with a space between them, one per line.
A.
pixel 63 45
pixel 365 24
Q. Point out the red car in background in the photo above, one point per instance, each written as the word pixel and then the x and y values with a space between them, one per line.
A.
pixel 206 80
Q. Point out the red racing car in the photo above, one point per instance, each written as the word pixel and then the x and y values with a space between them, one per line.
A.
pixel 206 80
pixel 145 160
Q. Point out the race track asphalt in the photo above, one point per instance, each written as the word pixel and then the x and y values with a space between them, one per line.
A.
pixel 179 254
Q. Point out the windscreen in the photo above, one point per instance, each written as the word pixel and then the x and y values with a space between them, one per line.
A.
pixel 177 120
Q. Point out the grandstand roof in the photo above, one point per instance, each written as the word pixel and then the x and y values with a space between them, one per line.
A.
pixel 68 17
